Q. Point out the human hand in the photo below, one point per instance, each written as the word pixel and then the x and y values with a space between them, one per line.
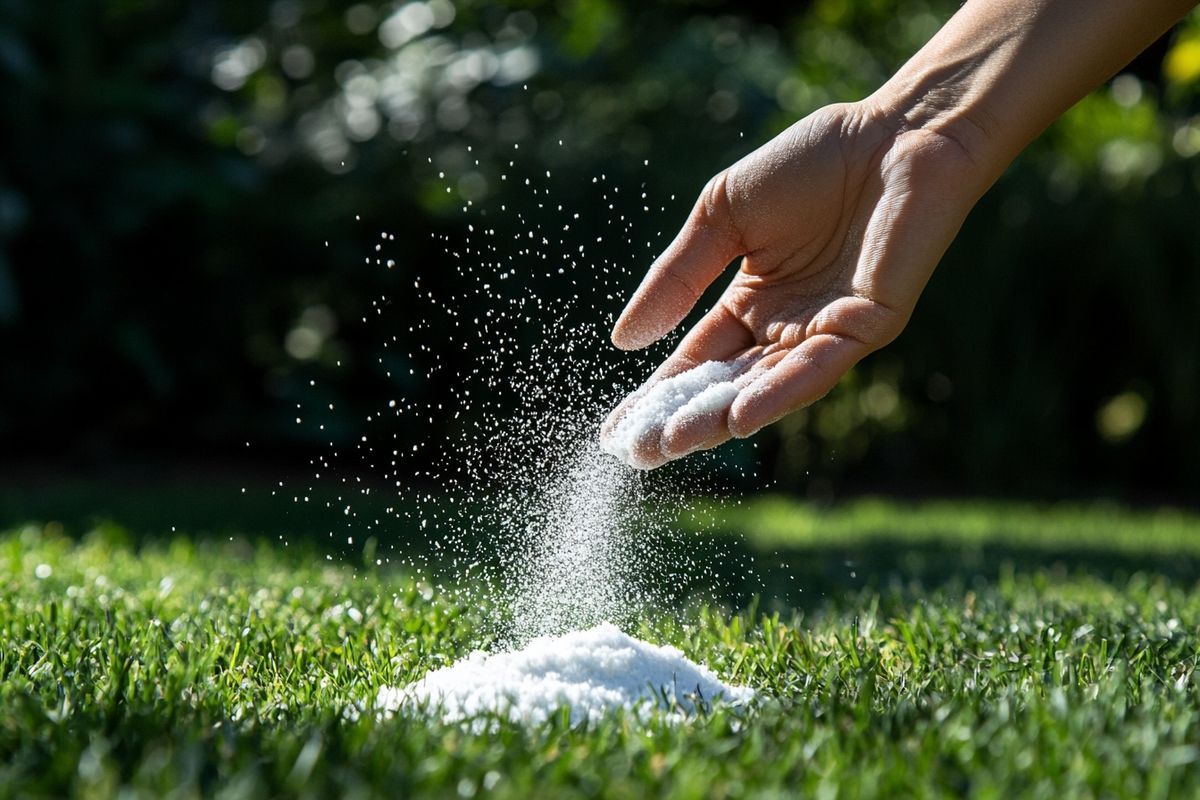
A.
pixel 839 222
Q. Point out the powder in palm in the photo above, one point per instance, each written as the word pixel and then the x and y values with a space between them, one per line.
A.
pixel 590 672
pixel 703 389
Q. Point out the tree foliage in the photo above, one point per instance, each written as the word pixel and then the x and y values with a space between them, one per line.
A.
pixel 180 182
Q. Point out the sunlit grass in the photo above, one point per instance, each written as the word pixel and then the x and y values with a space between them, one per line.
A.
pixel 774 521
pixel 205 667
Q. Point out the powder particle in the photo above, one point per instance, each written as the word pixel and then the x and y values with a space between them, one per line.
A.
pixel 702 389
pixel 591 672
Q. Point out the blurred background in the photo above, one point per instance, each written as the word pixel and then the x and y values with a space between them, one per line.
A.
pixel 181 252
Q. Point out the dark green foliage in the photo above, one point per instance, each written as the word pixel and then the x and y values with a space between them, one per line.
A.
pixel 164 225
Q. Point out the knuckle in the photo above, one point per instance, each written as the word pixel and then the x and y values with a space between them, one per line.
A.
pixel 713 211
pixel 714 199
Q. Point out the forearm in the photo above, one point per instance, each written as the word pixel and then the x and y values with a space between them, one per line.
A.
pixel 1000 71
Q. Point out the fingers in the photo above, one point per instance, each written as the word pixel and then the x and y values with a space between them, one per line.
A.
pixel 719 336
pixel 617 414
pixel 636 429
pixel 704 423
pixel 700 424
pixel 771 386
pixel 840 335
pixel 702 250
pixel 803 376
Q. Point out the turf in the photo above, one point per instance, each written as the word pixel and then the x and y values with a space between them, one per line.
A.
pixel 940 650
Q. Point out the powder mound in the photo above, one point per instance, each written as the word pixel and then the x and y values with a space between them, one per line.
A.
pixel 591 672
pixel 701 390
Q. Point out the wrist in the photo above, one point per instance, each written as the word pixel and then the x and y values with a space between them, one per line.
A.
pixel 1000 71
pixel 949 102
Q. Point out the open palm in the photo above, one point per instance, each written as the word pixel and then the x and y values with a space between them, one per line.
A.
pixel 838 223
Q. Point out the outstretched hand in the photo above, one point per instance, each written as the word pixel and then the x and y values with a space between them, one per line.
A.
pixel 838 223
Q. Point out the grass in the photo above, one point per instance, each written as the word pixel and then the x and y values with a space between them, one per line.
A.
pixel 980 650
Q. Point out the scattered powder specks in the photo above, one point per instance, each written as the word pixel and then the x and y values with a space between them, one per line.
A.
pixel 592 672
pixel 700 390
pixel 487 452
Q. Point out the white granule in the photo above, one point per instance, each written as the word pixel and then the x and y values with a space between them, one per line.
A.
pixel 714 398
pixel 702 389
pixel 590 672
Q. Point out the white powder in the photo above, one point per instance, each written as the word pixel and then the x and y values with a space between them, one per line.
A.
pixel 702 389
pixel 714 398
pixel 574 572
pixel 591 672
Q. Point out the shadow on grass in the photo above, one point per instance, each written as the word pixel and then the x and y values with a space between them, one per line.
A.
pixel 811 575
pixel 149 510
pixel 729 566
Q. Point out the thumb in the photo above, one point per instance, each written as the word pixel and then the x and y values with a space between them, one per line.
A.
pixel 700 252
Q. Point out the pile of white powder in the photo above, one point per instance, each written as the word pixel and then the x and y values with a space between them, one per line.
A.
pixel 591 672
pixel 700 390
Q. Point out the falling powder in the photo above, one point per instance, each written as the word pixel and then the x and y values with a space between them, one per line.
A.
pixel 701 390
pixel 575 570
pixel 591 672
pixel 492 461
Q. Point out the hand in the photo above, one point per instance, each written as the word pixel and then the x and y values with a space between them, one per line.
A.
pixel 839 222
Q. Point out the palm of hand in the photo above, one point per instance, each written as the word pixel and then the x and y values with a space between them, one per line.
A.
pixel 839 223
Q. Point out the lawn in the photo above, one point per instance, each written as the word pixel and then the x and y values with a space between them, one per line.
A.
pixel 946 649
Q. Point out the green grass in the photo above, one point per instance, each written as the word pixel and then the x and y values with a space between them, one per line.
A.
pixel 1096 527
pixel 938 650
